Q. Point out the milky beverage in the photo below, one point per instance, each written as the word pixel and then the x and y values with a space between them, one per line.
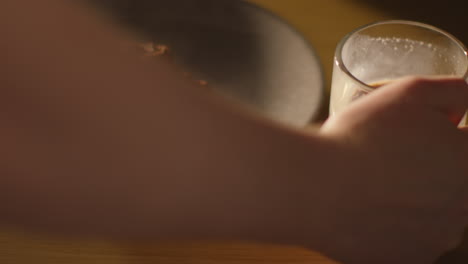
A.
pixel 360 93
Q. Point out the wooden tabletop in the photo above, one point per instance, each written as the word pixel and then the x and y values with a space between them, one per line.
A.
pixel 324 22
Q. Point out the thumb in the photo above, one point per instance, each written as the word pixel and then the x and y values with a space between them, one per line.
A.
pixel 447 95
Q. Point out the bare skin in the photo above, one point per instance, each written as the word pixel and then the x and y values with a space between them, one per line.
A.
pixel 95 142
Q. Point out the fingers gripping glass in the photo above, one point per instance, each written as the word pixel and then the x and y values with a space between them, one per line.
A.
pixel 379 53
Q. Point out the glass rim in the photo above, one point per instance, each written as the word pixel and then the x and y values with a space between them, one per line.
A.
pixel 365 86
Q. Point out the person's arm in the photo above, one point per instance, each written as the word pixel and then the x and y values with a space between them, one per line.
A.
pixel 94 142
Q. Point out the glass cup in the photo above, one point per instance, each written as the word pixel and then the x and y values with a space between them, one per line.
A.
pixel 379 53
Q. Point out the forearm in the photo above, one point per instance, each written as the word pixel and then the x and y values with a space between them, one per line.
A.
pixel 160 159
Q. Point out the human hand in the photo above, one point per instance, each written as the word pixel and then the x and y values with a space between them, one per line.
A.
pixel 403 194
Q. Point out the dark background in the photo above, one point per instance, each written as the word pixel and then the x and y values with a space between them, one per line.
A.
pixel 450 15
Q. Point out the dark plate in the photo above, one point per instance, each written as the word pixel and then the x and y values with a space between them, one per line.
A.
pixel 247 52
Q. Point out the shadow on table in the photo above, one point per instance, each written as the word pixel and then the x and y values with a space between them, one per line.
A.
pixel 450 15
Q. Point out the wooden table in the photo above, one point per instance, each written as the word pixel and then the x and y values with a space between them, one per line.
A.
pixel 324 22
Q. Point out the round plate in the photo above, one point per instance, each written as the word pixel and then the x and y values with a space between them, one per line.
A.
pixel 244 50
